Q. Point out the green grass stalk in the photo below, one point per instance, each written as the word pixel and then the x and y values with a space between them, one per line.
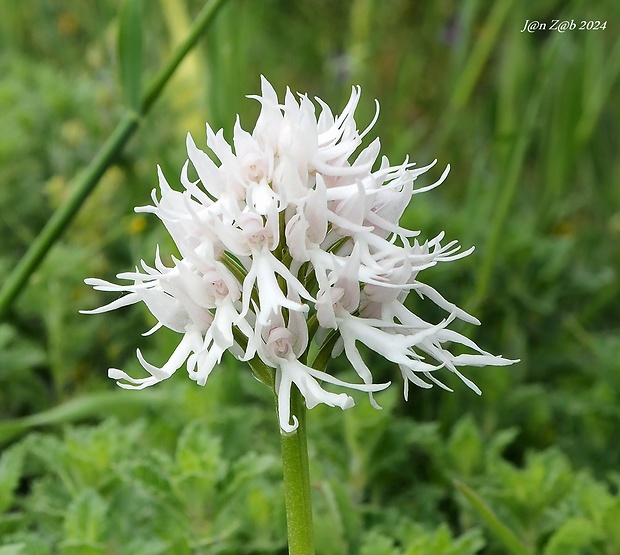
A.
pixel 86 181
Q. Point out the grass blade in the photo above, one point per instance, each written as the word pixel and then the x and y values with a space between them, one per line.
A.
pixel 85 406
pixel 87 181
pixel 130 51
pixel 504 534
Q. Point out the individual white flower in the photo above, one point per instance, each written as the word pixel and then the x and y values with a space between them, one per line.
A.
pixel 293 240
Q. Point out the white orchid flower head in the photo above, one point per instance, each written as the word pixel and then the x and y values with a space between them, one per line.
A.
pixel 290 249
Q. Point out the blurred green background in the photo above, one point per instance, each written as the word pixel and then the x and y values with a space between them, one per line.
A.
pixel 529 123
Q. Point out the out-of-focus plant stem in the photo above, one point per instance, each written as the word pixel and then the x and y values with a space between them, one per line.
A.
pixel 88 179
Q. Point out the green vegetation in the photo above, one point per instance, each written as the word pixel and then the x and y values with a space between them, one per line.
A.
pixel 530 124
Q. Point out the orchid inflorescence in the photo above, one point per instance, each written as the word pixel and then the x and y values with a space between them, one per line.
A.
pixel 290 251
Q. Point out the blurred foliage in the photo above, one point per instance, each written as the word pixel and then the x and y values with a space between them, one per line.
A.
pixel 530 125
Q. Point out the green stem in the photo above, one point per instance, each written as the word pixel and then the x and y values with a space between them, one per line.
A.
pixel 296 471
pixel 87 181
pixel 64 214
pixel 153 91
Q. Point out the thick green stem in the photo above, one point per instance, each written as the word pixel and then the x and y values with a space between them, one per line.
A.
pixel 87 181
pixel 297 494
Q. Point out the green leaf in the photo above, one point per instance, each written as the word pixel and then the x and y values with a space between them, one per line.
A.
pixel 504 534
pixel 11 464
pixel 420 541
pixel 199 452
pixel 465 447
pixel 198 463
pixel 573 535
pixel 378 544
pixel 85 519
pixel 528 492
pixel 151 475
pixel 610 528
pixel 130 52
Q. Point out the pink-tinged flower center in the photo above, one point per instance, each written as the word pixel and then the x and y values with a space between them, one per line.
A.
pixel 279 341
pixel 254 229
pixel 220 288
pixel 256 169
